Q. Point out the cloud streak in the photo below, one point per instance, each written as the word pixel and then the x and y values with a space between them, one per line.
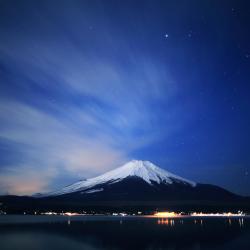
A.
pixel 68 108
pixel 82 139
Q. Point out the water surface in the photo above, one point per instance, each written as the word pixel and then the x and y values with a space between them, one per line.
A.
pixel 102 232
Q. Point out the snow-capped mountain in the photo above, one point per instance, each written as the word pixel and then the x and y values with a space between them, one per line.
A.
pixel 145 170
pixel 134 186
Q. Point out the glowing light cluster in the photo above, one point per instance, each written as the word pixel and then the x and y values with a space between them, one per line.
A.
pixel 229 214
pixel 70 214
pixel 165 214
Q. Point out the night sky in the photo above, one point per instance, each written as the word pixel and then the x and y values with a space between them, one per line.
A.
pixel 86 86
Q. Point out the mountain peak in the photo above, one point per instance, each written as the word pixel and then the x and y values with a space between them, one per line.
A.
pixel 139 164
pixel 149 172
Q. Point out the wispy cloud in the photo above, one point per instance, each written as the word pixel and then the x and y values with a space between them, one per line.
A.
pixel 49 145
pixel 71 108
pixel 112 119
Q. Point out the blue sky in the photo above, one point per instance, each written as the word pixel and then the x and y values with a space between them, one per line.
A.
pixel 87 85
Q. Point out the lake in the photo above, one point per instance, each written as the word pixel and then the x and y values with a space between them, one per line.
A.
pixel 113 232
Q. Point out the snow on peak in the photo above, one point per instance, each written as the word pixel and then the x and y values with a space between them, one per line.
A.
pixel 142 169
pixel 148 172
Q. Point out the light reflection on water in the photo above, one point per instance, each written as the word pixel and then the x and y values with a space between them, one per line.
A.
pixel 171 222
pixel 69 221
pixel 241 222
pixel 129 233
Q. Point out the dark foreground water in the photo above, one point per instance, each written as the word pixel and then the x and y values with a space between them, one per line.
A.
pixel 91 232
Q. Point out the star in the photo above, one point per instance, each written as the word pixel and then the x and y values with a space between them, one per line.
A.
pixel 166 35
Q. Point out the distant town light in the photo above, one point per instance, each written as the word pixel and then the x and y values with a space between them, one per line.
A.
pixel 229 214
pixel 165 214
